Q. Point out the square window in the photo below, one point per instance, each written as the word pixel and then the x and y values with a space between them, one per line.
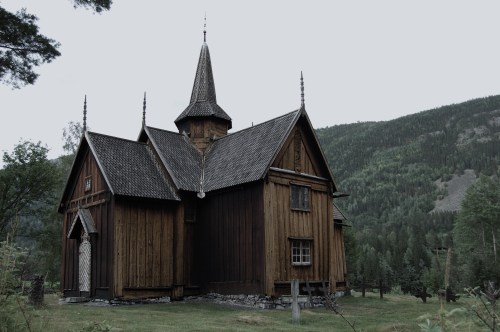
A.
pixel 301 252
pixel 88 183
pixel 300 197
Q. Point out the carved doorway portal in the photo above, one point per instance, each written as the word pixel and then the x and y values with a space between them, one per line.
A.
pixel 84 263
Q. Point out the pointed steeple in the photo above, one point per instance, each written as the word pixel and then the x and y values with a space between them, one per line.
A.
pixel 203 103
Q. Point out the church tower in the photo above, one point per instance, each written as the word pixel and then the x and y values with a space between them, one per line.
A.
pixel 203 120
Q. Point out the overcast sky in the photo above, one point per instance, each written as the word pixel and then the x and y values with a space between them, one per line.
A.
pixel 362 61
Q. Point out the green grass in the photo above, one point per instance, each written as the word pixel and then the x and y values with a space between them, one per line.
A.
pixel 393 313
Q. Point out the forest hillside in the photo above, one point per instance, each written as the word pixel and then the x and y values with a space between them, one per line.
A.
pixel 407 177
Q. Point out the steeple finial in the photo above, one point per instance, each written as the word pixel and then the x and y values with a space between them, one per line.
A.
pixel 205 29
pixel 85 114
pixel 302 101
pixel 144 110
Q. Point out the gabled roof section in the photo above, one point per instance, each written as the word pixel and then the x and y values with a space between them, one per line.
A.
pixel 203 101
pixel 245 156
pixel 129 168
pixel 181 159
pixel 86 222
pixel 339 217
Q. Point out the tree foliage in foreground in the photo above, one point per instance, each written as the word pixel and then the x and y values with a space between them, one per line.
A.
pixel 23 47
pixel 26 181
pixel 477 233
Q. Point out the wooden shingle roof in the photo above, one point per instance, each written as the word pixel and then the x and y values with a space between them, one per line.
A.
pixel 129 168
pixel 203 101
pixel 246 155
pixel 181 159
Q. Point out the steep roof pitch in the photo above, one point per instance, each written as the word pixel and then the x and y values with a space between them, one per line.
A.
pixel 339 217
pixel 181 159
pixel 203 101
pixel 129 168
pixel 245 156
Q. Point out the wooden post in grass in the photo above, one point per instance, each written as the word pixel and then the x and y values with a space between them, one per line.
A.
pixel 295 301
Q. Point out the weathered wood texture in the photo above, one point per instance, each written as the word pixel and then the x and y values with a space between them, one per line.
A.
pixel 296 154
pixel 202 131
pixel 301 154
pixel 283 224
pixel 97 201
pixel 339 262
pixel 144 248
pixel 231 249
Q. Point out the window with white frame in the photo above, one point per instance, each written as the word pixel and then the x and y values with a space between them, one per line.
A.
pixel 300 197
pixel 301 252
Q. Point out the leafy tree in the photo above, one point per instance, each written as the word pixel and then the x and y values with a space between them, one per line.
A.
pixel 477 232
pixel 25 180
pixel 72 135
pixel 22 47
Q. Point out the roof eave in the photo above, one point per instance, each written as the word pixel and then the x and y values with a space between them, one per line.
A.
pixel 163 161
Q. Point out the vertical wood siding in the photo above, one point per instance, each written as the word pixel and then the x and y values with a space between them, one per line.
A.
pixel 284 224
pixel 97 201
pixel 144 248
pixel 297 155
pixel 230 236
pixel 339 262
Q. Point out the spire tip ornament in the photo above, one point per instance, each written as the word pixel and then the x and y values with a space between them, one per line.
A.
pixel 302 100
pixel 205 29
pixel 144 110
pixel 85 114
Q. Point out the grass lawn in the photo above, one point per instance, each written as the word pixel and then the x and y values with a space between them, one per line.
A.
pixel 393 313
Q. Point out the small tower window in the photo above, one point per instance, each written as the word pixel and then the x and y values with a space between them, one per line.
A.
pixel 88 183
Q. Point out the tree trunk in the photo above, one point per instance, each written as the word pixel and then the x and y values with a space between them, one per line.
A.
pixel 447 269
pixel 381 288
pixel 363 287
pixel 494 244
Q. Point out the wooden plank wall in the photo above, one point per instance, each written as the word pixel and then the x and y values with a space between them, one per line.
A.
pixel 282 223
pixel 144 248
pixel 296 155
pixel 339 262
pixel 97 201
pixel 231 240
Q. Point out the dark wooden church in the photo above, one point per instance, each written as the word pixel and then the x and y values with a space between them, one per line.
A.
pixel 201 210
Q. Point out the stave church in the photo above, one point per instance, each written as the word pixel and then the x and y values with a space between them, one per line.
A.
pixel 202 209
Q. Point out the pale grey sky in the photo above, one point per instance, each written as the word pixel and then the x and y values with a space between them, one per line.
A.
pixel 362 61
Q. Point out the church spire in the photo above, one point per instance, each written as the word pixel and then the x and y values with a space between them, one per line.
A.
pixel 85 114
pixel 203 102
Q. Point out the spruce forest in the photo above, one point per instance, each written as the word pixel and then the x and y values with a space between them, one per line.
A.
pixel 421 186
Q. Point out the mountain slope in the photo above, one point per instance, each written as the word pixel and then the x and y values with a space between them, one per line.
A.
pixel 390 167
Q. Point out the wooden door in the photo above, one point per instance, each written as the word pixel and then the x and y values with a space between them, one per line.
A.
pixel 84 264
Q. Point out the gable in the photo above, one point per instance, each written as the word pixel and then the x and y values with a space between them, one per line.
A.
pixel 302 153
pixel 82 221
pixel 85 178
pixel 125 168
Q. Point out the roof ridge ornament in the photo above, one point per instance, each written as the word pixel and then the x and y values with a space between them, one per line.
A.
pixel 144 110
pixel 205 29
pixel 85 114
pixel 302 100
